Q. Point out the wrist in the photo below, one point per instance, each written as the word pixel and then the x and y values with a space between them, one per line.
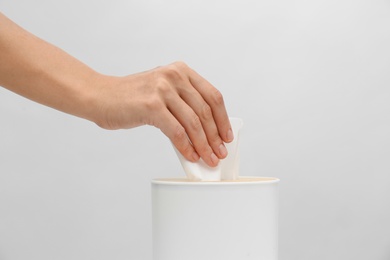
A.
pixel 96 99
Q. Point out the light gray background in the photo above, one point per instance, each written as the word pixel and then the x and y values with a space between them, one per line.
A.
pixel 309 78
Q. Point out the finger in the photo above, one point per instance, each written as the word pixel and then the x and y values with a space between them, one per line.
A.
pixel 215 100
pixel 177 134
pixel 194 129
pixel 192 97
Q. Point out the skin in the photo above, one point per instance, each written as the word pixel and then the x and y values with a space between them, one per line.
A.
pixel 174 98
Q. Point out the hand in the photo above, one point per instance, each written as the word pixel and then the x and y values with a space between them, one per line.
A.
pixel 175 99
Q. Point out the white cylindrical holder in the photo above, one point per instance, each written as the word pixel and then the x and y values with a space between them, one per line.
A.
pixel 226 220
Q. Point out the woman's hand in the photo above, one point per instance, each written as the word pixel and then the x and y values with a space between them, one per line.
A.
pixel 173 98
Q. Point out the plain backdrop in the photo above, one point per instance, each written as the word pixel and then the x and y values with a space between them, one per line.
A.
pixel 310 79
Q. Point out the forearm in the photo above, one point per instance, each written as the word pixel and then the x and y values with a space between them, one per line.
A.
pixel 44 73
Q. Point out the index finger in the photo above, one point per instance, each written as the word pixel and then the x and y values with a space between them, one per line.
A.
pixel 214 99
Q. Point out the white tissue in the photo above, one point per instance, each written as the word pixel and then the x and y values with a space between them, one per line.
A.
pixel 227 169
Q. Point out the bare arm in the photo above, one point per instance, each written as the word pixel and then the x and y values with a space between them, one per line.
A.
pixel 173 98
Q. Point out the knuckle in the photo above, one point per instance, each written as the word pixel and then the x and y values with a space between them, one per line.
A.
pixel 187 149
pixel 161 83
pixel 217 97
pixel 204 148
pixel 172 72
pixel 179 136
pixel 215 139
pixel 153 104
pixel 163 87
pixel 206 112
pixel 196 124
pixel 180 65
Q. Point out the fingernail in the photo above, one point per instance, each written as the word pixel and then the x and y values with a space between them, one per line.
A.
pixel 195 156
pixel 229 135
pixel 214 159
pixel 222 150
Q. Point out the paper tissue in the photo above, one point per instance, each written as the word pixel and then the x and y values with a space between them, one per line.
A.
pixel 227 169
